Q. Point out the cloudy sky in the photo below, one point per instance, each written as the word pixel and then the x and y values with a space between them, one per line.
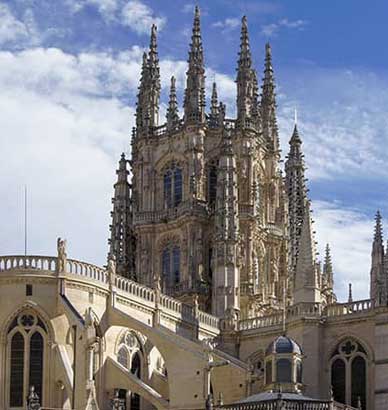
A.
pixel 68 76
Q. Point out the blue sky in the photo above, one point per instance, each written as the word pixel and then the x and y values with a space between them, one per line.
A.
pixel 69 74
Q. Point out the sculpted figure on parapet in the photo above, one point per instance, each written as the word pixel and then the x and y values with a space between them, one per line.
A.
pixel 111 270
pixel 62 255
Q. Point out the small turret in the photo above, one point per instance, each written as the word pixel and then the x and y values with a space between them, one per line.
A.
pixel 122 242
pixel 226 302
pixel 194 103
pixel 307 286
pixel 328 277
pixel 378 275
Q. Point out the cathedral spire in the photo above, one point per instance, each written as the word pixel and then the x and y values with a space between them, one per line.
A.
pixel 121 242
pixel 378 275
pixel 268 103
pixel 141 106
pixel 214 116
pixel 147 110
pixel 306 273
pixel 245 76
pixel 297 193
pixel 154 79
pixel 172 115
pixel 328 267
pixel 194 103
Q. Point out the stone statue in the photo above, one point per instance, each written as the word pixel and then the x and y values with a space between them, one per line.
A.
pixel 62 255
pixel 33 400
pixel 111 270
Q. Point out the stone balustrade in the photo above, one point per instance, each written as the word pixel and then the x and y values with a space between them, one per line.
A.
pixel 171 213
pixel 283 404
pixel 260 322
pixel 307 310
pixel 128 288
pixel 350 308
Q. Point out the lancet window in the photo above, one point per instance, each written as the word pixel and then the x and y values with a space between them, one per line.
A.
pixel 173 186
pixel 212 184
pixel 171 265
pixel 349 373
pixel 26 340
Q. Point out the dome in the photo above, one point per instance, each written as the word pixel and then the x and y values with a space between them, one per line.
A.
pixel 283 344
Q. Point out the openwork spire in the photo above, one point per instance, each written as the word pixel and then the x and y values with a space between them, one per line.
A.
pixel 378 237
pixel 194 103
pixel 147 111
pixel 297 193
pixel 245 77
pixel 121 242
pixel 172 110
pixel 215 109
pixel 268 103
pixel 379 272
pixel 328 267
pixel 141 106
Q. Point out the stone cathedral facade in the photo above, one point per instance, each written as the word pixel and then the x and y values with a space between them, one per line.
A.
pixel 213 295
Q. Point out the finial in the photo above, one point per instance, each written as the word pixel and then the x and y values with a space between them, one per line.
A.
pixel 197 11
pixel 350 297
pixel 359 405
pixel 295 117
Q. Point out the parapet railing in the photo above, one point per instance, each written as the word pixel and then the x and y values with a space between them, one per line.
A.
pixel 308 310
pixel 128 287
pixel 284 404
pixel 170 213
pixel 342 309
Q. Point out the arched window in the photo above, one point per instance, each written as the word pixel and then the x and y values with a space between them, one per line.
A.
pixel 172 186
pixel 176 264
pixel 177 186
pixel 338 380
pixel 168 189
pixel 212 184
pixel 349 373
pixel 283 371
pixel 26 344
pixel 171 265
pixel 17 370
pixel 359 381
pixel 36 362
pixel 136 370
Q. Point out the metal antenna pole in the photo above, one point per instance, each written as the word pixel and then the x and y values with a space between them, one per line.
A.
pixel 25 220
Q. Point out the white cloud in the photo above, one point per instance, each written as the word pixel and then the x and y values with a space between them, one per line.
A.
pixel 342 116
pixel 227 24
pixel 107 8
pixel 139 17
pixel 272 29
pixel 188 8
pixel 17 32
pixel 134 14
pixel 349 233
